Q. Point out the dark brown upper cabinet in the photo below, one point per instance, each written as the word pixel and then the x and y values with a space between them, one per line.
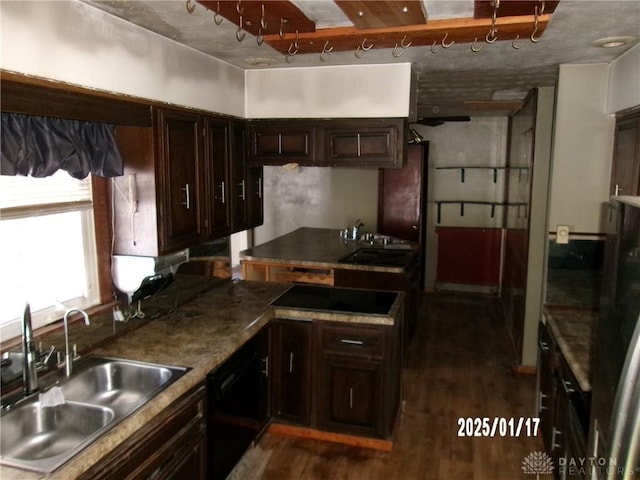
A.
pixel 371 143
pixel 217 200
pixel 360 143
pixel 279 143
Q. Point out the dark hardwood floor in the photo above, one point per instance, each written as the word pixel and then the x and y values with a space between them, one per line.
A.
pixel 458 365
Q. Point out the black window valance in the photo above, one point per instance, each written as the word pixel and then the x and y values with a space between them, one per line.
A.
pixel 39 146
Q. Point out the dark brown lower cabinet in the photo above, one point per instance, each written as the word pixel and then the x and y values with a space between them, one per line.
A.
pixel 350 400
pixel 173 446
pixel 291 354
pixel 336 377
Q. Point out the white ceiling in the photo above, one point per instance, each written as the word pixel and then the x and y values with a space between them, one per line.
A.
pixel 447 79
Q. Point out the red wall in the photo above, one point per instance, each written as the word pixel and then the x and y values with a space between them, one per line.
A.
pixel 469 256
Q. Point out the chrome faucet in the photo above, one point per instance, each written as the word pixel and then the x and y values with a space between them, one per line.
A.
pixel 29 357
pixel 69 355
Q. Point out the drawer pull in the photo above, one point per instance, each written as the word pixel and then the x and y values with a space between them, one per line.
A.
pixel 350 397
pixel 291 362
pixel 352 342
pixel 543 346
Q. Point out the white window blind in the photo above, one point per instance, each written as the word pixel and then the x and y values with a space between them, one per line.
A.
pixel 47 248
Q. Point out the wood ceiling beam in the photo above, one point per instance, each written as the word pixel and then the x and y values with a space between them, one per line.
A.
pixel 513 8
pixel 381 14
pixel 276 13
pixel 462 30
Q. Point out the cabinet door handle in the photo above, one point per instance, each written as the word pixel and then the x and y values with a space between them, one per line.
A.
pixel 568 386
pixel 242 195
pixel 260 188
pixel 359 152
pixel 618 190
pixel 555 433
pixel 223 193
pixel 543 346
pixel 187 196
pixel 266 366
pixel 350 397
pixel 541 398
pixel 290 362
pixel 352 342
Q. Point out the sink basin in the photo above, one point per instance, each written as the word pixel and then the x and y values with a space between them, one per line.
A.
pixel 102 392
pixel 118 384
pixel 35 436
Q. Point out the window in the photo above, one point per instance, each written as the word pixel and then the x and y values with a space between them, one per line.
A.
pixel 47 248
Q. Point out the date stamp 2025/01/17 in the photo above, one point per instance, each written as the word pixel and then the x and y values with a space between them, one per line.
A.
pixel 498 426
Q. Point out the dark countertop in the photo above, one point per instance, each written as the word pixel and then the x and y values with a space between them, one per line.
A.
pixel 314 248
pixel 200 333
pixel 574 330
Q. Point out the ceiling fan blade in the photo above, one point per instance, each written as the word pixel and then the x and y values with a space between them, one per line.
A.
pixel 435 121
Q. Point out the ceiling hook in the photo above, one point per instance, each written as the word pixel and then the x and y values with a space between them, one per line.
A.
pixel 402 43
pixel 191 6
pixel 217 18
pixel 281 32
pixel 238 9
pixel 474 46
pixel 362 48
pixel 325 50
pixel 514 44
pixel 535 27
pixel 239 33
pixel 260 37
pixel 263 19
pixel 397 53
pixel 433 47
pixel 491 36
pixel 447 45
pixel 293 47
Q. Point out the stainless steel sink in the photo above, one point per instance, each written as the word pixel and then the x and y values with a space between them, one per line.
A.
pixel 34 436
pixel 118 384
pixel 102 392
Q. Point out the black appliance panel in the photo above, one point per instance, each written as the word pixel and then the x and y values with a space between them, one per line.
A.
pixel 344 300
pixel 237 406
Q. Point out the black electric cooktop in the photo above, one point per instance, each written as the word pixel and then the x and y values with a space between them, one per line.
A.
pixel 332 299
pixel 380 257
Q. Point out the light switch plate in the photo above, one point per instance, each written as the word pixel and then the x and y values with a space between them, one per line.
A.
pixel 562 234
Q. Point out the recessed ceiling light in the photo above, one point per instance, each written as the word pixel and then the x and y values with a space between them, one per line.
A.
pixel 260 61
pixel 612 42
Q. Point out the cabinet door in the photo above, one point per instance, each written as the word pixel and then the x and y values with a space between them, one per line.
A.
pixel 281 143
pixel 625 172
pixel 371 144
pixel 239 182
pixel 351 395
pixel 292 371
pixel 255 190
pixel 217 159
pixel 178 180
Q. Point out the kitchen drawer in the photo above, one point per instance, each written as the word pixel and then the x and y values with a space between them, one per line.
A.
pixel 359 341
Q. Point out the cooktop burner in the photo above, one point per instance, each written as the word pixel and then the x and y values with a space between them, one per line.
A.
pixel 332 299
pixel 380 257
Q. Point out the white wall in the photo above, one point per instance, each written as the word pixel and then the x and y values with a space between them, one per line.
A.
pixel 348 91
pixel 583 145
pixel 75 43
pixel 624 81
pixel 319 197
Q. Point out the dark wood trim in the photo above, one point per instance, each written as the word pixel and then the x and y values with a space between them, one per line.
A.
pixel 103 233
pixel 310 433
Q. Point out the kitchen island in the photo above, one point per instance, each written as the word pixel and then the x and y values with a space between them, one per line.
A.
pixel 322 256
pixel 199 334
